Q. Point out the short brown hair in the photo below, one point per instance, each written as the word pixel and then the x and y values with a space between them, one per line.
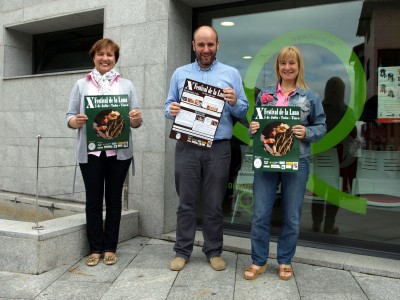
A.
pixel 104 43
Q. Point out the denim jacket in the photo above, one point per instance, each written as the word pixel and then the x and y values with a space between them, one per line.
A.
pixel 312 114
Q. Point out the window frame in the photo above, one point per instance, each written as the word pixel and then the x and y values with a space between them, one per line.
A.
pixel 79 39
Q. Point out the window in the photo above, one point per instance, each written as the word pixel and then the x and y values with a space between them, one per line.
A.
pixel 65 50
pixel 388 57
pixel 343 44
pixel 51 45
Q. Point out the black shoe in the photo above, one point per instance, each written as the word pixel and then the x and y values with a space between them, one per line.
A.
pixel 230 214
pixel 333 230
pixel 316 228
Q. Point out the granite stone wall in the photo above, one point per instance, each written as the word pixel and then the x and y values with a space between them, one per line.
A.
pixel 154 36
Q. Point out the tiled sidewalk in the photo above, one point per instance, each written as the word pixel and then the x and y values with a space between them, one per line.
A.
pixel 141 272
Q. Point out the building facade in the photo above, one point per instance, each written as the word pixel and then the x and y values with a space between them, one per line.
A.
pixel 352 58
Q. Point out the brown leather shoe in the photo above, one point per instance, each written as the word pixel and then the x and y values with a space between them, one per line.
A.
pixel 177 264
pixel 217 263
pixel 285 272
pixel 254 271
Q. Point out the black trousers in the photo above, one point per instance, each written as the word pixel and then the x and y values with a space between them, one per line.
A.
pixel 201 174
pixel 103 177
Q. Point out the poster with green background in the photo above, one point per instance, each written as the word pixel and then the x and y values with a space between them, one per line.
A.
pixel 108 125
pixel 275 147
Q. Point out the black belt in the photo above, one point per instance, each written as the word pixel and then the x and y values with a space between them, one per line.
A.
pixel 223 140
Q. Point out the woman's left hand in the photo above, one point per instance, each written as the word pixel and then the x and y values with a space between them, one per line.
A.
pixel 135 114
pixel 136 117
pixel 299 131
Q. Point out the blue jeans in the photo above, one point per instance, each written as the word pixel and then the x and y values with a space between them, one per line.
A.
pixel 293 185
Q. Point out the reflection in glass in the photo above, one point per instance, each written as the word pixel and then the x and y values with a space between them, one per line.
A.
pixel 371 30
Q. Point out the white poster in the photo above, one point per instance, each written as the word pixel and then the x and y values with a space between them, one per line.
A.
pixel 389 94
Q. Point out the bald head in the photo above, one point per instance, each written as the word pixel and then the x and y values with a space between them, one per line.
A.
pixel 208 30
pixel 205 45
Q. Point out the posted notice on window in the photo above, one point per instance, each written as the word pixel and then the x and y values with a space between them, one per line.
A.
pixel 108 125
pixel 389 94
pixel 201 109
pixel 275 147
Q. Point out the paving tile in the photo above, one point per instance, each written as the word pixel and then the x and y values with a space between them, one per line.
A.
pixel 77 290
pixel 132 246
pixel 320 257
pixel 138 283
pixel 27 286
pixel 199 264
pixel 315 282
pixel 199 281
pixel 202 292
pixel 373 265
pixel 142 272
pixel 153 256
pixel 265 286
pixel 146 277
pixel 377 287
pixel 126 252
pixel 80 272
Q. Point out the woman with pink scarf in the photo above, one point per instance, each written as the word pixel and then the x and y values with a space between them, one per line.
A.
pixel 103 172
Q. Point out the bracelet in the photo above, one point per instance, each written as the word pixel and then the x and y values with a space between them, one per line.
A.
pixel 141 122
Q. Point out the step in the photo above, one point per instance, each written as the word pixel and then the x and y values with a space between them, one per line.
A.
pixel 27 249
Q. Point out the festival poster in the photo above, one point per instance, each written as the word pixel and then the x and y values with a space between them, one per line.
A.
pixel 108 125
pixel 389 94
pixel 201 110
pixel 275 147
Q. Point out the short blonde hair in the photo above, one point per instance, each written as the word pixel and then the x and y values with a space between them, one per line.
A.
pixel 291 52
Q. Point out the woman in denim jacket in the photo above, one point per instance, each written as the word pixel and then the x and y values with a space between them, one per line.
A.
pixel 290 90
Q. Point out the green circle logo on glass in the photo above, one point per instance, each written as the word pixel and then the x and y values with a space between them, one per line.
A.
pixel 357 81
